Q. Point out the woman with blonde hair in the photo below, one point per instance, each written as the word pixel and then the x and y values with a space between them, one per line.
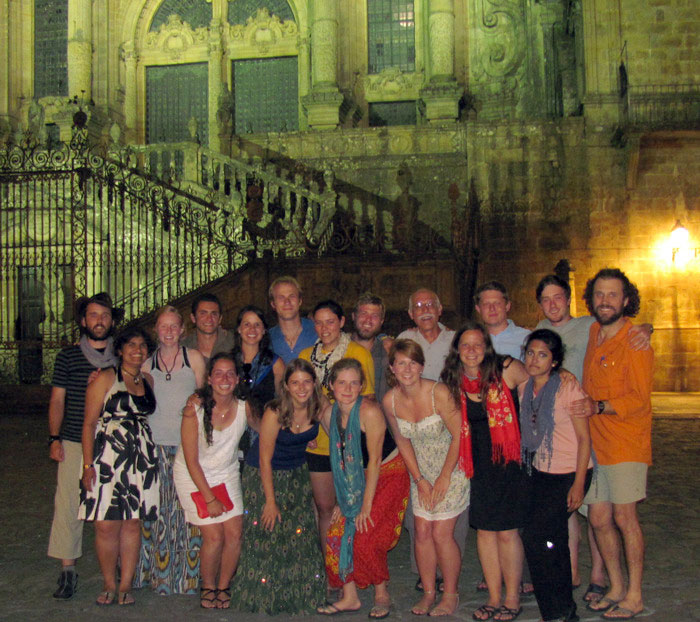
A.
pixel 169 560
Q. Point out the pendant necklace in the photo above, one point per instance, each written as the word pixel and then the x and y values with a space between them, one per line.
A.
pixel 136 376
pixel 168 374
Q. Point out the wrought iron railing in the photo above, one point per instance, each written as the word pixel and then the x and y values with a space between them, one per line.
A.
pixel 668 106
pixel 152 223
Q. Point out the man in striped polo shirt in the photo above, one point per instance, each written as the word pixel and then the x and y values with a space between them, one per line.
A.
pixel 74 365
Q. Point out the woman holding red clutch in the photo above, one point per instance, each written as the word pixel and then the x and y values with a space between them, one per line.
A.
pixel 207 477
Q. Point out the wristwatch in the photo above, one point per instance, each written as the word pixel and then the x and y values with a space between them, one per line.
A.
pixel 53 437
pixel 601 406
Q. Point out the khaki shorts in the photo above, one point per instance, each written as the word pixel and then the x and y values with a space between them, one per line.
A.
pixel 618 483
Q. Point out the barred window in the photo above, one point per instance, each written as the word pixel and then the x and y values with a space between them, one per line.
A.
pixel 50 48
pixel 240 10
pixel 174 95
pixel 265 93
pixel 197 13
pixel 392 113
pixel 391 34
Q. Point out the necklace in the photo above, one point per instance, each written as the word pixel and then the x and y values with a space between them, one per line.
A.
pixel 292 339
pixel 136 376
pixel 168 375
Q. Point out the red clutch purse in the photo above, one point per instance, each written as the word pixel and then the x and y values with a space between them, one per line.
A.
pixel 220 493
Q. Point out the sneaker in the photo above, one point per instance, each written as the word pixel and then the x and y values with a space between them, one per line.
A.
pixel 67 585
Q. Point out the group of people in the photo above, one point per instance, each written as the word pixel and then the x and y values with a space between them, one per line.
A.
pixel 343 437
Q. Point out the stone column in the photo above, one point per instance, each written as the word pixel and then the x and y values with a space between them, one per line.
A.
pixel 323 102
pixel 601 31
pixel 215 86
pixel 441 95
pixel 80 49
pixel 4 70
pixel 130 59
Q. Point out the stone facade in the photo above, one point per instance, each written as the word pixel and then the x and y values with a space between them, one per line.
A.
pixel 575 124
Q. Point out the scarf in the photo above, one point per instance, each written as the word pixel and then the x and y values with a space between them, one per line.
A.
pixel 537 420
pixel 503 425
pixel 323 362
pixel 348 478
pixel 98 359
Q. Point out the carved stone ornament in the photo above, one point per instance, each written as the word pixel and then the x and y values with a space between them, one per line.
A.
pixel 499 27
pixel 263 30
pixel 392 83
pixel 175 37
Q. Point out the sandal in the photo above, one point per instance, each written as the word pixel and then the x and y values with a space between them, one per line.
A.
pixel 125 598
pixel 104 598
pixel 602 604
pixel 225 602
pixel 379 611
pixel 594 592
pixel 207 597
pixel 485 612
pixel 507 611
pixel 481 586
pixel 439 610
pixel 417 610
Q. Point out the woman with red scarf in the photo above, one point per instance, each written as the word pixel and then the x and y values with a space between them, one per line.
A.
pixel 482 381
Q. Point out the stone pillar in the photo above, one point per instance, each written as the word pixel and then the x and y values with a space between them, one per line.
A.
pixel 80 49
pixel 323 102
pixel 4 70
pixel 130 59
pixel 441 95
pixel 215 87
pixel 601 31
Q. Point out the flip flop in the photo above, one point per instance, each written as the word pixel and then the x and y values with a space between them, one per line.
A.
pixel 594 592
pixel 105 598
pixel 379 611
pixel 604 604
pixel 627 614
pixel 513 613
pixel 487 610
pixel 331 610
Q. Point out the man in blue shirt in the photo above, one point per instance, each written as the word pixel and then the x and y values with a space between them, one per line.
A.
pixel 492 303
pixel 292 333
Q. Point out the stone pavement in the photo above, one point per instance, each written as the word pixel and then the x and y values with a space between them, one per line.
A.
pixel 670 519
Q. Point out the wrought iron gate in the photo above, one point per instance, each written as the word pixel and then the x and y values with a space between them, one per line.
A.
pixel 73 222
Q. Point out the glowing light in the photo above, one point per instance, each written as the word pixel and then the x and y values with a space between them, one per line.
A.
pixel 298 530
pixel 263 580
pixel 255 522
pixel 550 545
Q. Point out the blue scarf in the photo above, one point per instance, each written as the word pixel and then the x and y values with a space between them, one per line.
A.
pixel 537 419
pixel 348 477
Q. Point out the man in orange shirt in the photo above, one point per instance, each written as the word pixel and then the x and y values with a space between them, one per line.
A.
pixel 618 380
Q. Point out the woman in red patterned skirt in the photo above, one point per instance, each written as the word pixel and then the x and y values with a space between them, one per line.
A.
pixel 371 486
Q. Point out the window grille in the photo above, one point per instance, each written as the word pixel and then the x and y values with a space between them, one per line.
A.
pixel 391 35
pixel 196 13
pixel 175 94
pixel 392 113
pixel 240 10
pixel 50 48
pixel 265 95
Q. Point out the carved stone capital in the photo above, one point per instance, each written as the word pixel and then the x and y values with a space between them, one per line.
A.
pixel 441 101
pixel 323 108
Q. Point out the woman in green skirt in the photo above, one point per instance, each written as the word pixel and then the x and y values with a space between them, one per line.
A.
pixel 281 568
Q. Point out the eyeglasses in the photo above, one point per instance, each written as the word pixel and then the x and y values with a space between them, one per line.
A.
pixel 431 304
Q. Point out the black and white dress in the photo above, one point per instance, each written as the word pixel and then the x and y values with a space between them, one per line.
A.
pixel 125 458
